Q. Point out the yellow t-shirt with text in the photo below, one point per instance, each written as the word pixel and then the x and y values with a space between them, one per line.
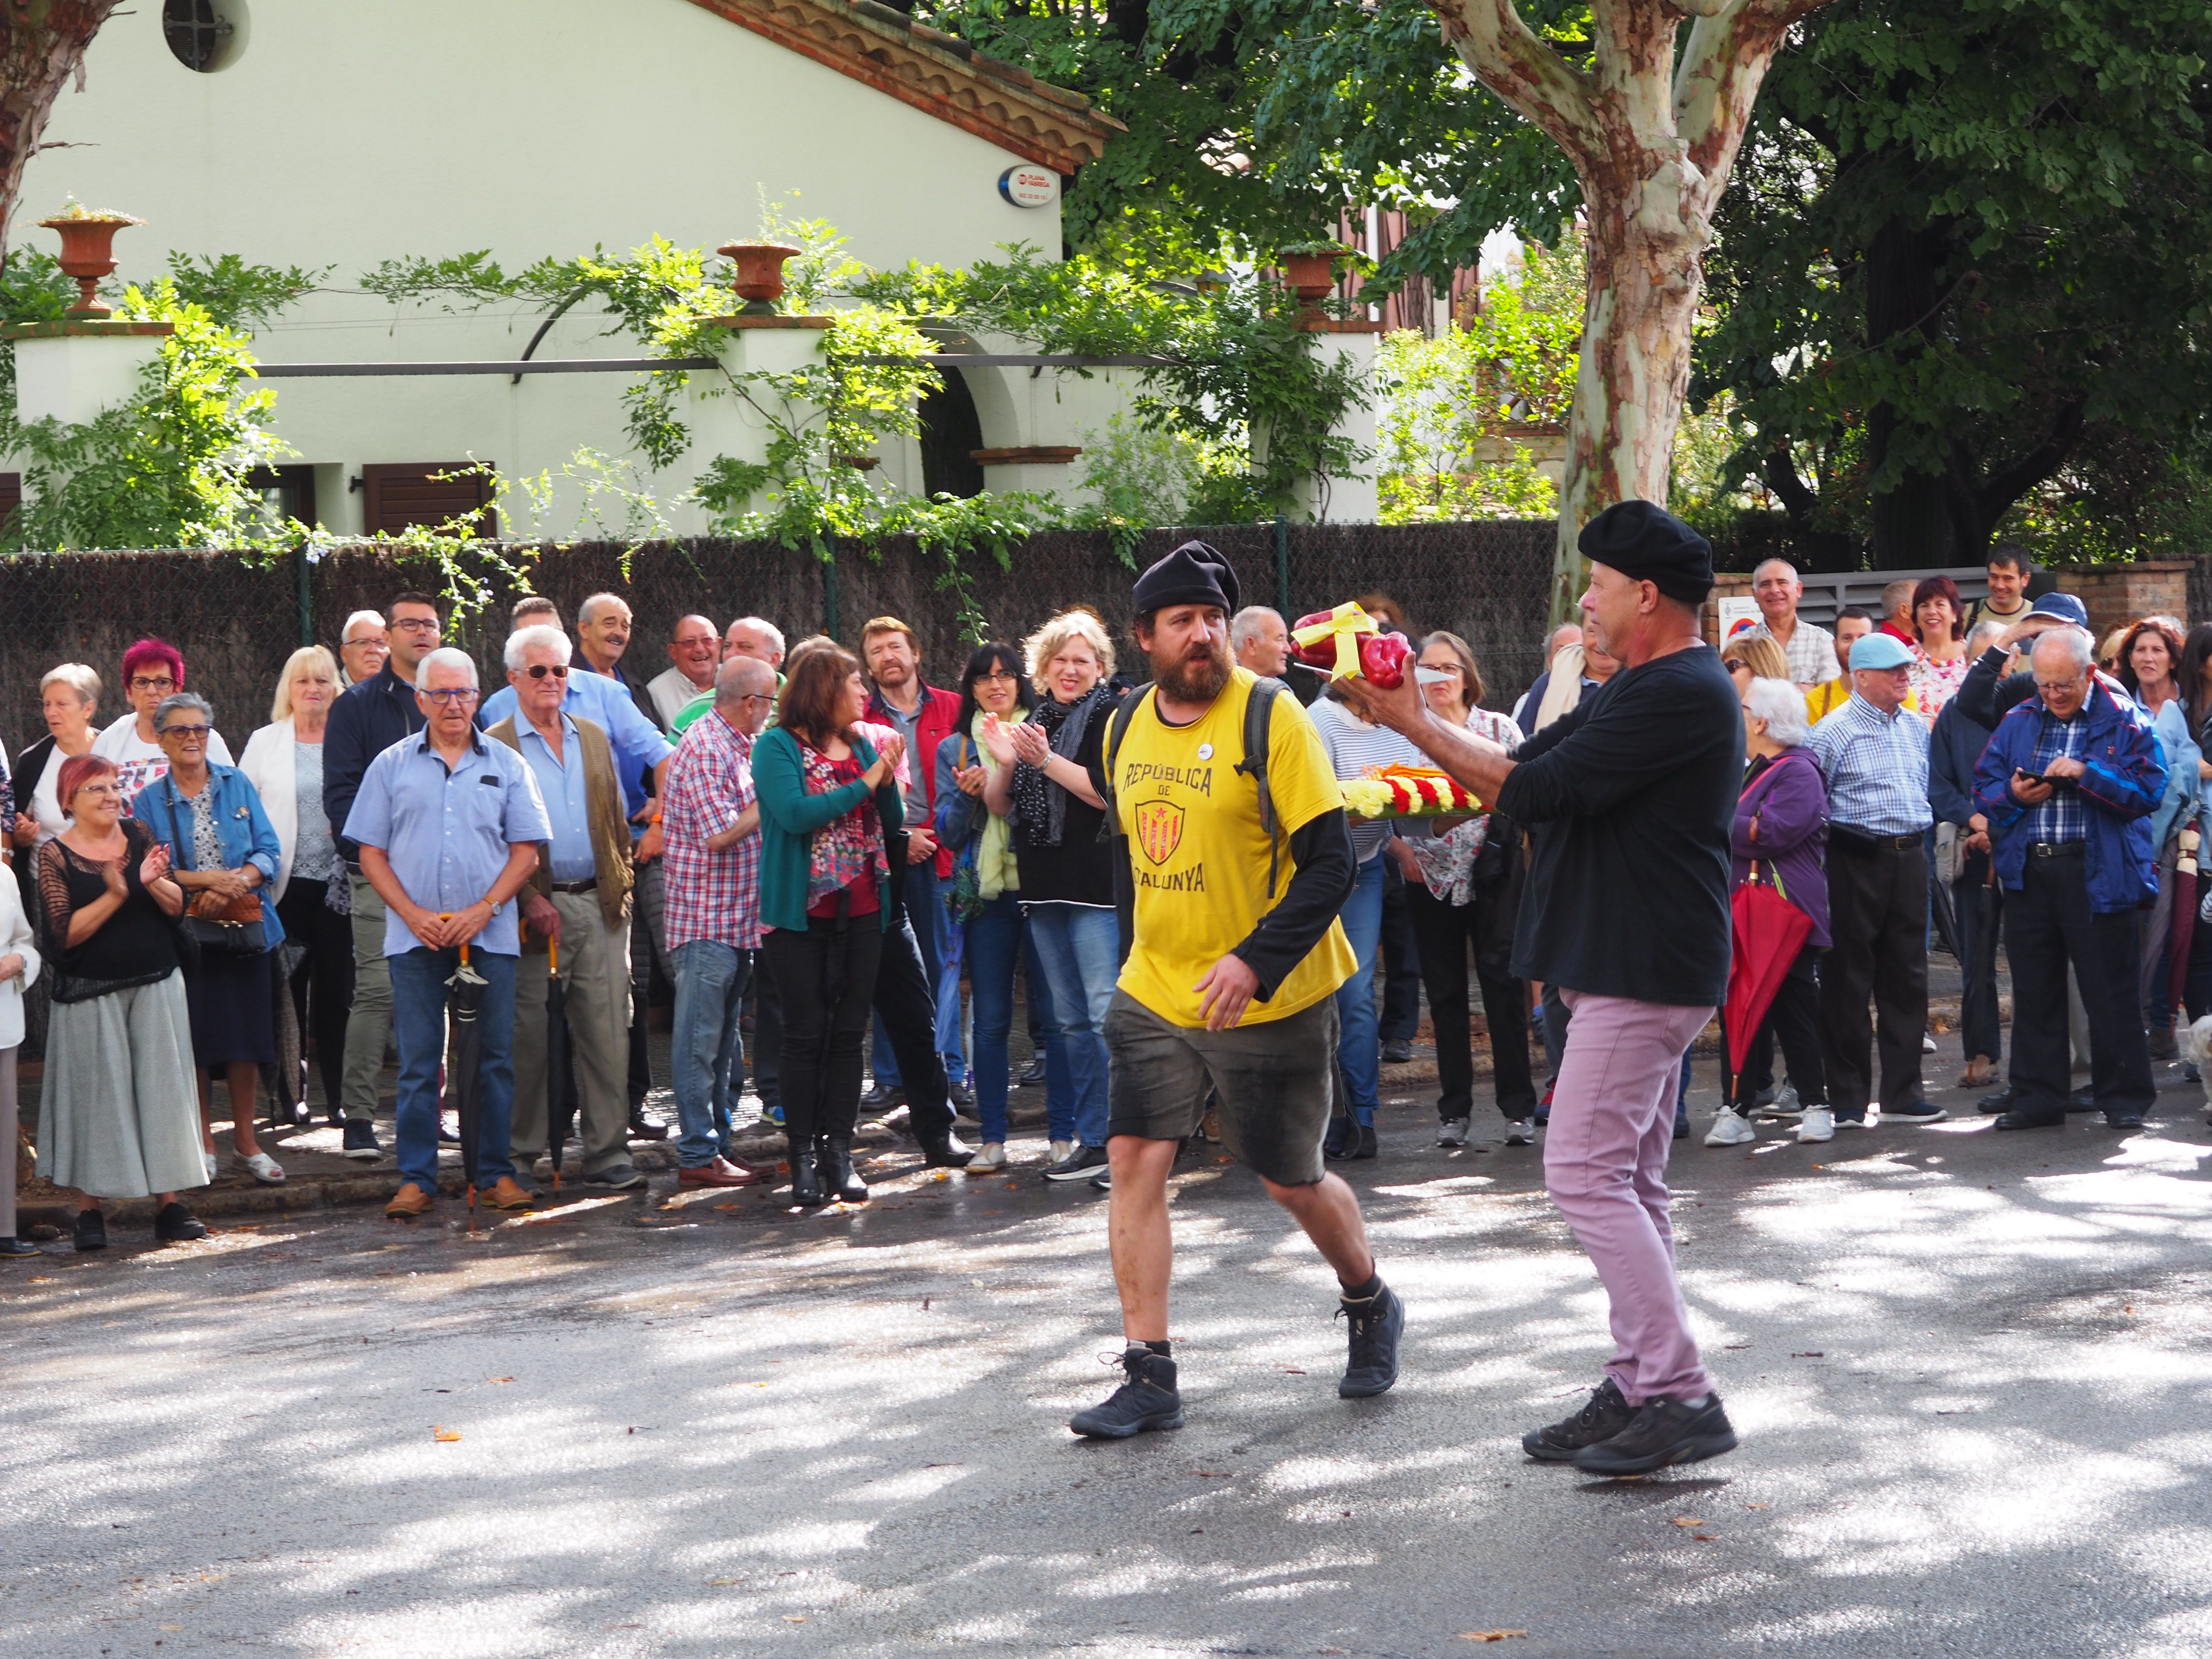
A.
pixel 1198 858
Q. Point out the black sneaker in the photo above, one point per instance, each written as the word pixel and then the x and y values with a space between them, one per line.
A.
pixel 91 1231
pixel 360 1142
pixel 1147 1400
pixel 1104 1181
pixel 1078 1165
pixel 962 1096
pixel 1662 1431
pixel 616 1177
pixel 1377 1324
pixel 1603 1415
pixel 175 1224
pixel 1920 1111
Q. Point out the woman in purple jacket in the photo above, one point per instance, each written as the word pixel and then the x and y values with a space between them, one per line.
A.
pixel 1781 821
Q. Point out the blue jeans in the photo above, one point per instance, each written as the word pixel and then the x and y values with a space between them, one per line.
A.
pixel 924 897
pixel 1059 1077
pixel 1358 1051
pixel 704 1049
pixel 1079 945
pixel 993 946
pixel 418 1026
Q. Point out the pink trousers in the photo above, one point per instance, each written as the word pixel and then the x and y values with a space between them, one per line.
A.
pixel 1605 1161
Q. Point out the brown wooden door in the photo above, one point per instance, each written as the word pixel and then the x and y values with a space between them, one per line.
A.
pixel 412 495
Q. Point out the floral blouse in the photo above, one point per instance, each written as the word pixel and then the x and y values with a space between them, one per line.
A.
pixel 1933 682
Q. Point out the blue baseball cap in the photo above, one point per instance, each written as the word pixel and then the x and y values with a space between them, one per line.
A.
pixel 2064 607
pixel 1879 650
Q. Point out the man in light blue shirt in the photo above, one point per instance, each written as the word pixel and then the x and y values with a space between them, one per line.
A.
pixel 448 826
pixel 638 745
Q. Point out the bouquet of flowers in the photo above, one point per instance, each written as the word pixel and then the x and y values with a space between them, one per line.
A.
pixel 1408 791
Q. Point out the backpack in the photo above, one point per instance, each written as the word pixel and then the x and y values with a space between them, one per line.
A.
pixel 1259 709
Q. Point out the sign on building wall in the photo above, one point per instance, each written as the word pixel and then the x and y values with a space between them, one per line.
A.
pixel 1738 612
pixel 1029 187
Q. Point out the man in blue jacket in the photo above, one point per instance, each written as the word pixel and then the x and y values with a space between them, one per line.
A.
pixel 2068 783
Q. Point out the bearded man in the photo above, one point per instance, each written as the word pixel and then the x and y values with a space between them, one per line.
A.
pixel 1235 957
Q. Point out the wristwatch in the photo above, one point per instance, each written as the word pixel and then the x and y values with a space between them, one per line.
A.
pixel 497 905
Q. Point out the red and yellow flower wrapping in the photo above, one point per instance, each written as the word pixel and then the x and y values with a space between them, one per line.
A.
pixel 1408 791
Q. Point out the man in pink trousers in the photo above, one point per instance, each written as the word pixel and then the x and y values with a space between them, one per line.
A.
pixel 1629 799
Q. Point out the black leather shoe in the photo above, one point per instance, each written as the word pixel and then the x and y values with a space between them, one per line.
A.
pixel 642 1127
pixel 175 1224
pixel 2124 1120
pixel 12 1245
pixel 805 1180
pixel 1342 1139
pixel 876 1097
pixel 944 1152
pixel 1361 1143
pixel 2003 1101
pixel 834 1166
pixel 1033 1076
pixel 1397 1051
pixel 2027 1120
pixel 2083 1099
pixel 91 1231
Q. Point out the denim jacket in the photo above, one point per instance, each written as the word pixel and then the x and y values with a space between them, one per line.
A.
pixel 243 827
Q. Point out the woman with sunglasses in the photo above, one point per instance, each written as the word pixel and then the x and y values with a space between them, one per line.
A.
pixel 152 669
pixel 116 1118
pixel 987 880
pixel 223 854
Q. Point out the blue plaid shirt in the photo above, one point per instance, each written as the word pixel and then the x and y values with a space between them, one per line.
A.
pixel 1877 767
pixel 2062 818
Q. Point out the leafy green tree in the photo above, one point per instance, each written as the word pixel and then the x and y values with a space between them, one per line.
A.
pixel 1961 286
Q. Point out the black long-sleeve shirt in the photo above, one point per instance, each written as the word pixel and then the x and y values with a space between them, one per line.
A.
pixel 369 717
pixel 1630 798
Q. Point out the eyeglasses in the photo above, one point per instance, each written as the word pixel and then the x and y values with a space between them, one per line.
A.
pixel 139 683
pixel 703 640
pixel 997 677
pixel 188 733
pixel 757 697
pixel 538 670
pixel 367 639
pixel 446 696
pixel 417 624
pixel 100 789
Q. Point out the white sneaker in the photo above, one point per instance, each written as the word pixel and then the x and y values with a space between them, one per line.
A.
pixel 1730 1129
pixel 1927 1043
pixel 1519 1132
pixel 264 1169
pixel 1819 1123
pixel 213 1169
pixel 1061 1151
pixel 1452 1131
pixel 991 1154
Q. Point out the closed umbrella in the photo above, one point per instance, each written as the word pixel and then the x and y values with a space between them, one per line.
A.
pixel 462 1098
pixel 2181 924
pixel 1767 931
pixel 560 1092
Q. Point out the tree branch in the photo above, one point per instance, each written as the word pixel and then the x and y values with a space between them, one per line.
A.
pixel 2009 484
pixel 1510 58
pixel 1730 46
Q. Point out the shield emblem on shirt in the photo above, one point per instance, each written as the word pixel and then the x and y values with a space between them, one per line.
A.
pixel 1159 830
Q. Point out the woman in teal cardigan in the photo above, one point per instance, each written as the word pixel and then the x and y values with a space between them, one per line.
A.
pixel 828 806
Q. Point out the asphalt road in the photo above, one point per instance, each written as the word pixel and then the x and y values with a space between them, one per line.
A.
pixel 1970 1371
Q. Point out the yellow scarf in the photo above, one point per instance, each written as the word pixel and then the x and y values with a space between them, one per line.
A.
pixel 994 860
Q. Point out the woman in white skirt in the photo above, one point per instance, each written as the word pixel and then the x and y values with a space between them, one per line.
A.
pixel 118 1117
pixel 19 966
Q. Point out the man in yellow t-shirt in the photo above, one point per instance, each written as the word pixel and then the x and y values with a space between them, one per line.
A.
pixel 1231 978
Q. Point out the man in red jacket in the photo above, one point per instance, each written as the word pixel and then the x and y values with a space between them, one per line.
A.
pixel 924 716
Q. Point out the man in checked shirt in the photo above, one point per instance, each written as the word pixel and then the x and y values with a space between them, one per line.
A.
pixel 2068 783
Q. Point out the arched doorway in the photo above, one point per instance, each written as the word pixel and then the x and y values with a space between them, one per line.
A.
pixel 950 433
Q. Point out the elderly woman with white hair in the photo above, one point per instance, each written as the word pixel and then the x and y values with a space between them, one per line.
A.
pixel 1780 838
pixel 283 761
pixel 1049 779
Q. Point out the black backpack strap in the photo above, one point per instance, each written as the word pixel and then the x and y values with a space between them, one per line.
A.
pixel 1259 710
pixel 1116 730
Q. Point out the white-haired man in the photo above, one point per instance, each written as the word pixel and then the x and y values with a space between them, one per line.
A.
pixel 363 645
pixel 1260 640
pixel 448 825
pixel 578 902
pixel 748 636
pixel 1809 648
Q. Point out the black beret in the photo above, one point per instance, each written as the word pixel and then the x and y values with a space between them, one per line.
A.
pixel 1193 574
pixel 1649 544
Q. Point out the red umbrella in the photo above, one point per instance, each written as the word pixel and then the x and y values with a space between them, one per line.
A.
pixel 1768 930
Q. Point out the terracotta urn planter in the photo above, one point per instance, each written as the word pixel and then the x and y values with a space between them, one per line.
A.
pixel 759 278
pixel 88 251
pixel 1312 276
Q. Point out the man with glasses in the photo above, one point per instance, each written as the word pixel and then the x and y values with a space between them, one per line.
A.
pixel 695 650
pixel 2069 782
pixel 368 718
pixel 712 825
pixel 446 826
pixel 363 646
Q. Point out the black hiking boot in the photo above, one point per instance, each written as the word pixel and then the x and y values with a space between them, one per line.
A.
pixel 1146 1399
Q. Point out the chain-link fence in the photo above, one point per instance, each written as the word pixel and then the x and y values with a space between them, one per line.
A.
pixel 236 622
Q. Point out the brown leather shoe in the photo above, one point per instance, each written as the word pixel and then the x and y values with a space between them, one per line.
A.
pixel 409 1202
pixel 506 1196
pixel 722 1172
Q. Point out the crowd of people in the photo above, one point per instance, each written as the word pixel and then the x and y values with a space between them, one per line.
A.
pixel 844 870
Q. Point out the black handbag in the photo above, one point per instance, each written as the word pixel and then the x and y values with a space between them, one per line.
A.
pixel 233 927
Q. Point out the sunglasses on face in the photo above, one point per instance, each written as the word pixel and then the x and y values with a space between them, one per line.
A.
pixel 538 670
pixel 185 734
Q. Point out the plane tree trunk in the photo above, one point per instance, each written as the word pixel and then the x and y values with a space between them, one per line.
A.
pixel 42 45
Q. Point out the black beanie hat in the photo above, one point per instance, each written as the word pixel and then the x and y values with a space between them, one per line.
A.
pixel 1193 574
pixel 1649 544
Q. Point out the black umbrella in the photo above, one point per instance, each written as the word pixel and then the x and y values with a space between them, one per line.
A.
pixel 467 988
pixel 560 1077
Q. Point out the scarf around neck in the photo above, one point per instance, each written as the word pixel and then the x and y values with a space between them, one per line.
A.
pixel 1039 803
pixel 996 871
